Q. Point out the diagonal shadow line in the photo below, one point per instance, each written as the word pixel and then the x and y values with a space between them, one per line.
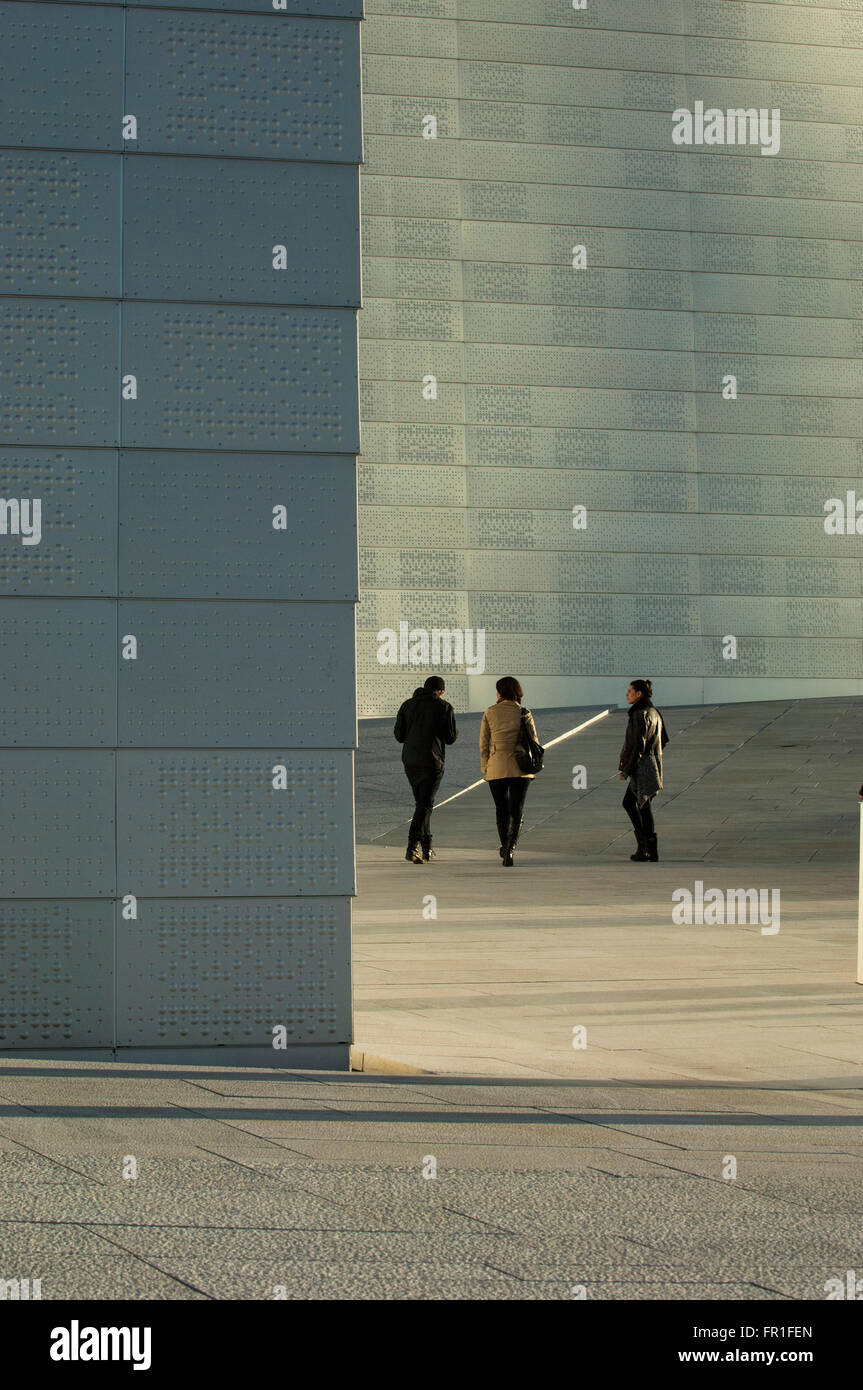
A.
pixel 429 1117
pixel 116 1071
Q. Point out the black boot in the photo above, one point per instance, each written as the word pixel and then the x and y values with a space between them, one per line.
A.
pixel 641 855
pixel 428 852
pixel 414 853
pixel 652 849
pixel 509 844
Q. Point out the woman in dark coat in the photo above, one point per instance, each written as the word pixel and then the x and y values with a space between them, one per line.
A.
pixel 641 764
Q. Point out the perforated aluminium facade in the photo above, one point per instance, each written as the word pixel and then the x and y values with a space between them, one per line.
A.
pixel 600 379
pixel 179 282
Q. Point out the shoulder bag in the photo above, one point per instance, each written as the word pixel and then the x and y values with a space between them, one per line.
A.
pixel 527 752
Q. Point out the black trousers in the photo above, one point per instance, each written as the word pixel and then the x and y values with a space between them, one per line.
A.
pixel 642 821
pixel 509 794
pixel 424 784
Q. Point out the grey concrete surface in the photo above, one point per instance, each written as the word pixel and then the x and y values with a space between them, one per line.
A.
pixel 757 796
pixel 706 1144
pixel 312 1186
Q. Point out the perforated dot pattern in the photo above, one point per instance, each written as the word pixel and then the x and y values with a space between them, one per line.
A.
pixel 228 378
pixel 244 85
pixel 58 379
pixel 226 219
pixel 247 673
pixel 57 823
pixel 236 497
pixel 228 973
pixel 56 992
pixel 168 648
pixel 77 492
pixel 59 224
pixel 196 823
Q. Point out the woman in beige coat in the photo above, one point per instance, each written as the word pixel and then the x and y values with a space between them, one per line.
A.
pixel 498 735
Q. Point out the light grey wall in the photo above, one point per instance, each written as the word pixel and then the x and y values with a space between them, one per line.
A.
pixel 602 387
pixel 154 777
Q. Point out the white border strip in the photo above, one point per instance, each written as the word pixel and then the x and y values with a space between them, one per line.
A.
pixel 560 738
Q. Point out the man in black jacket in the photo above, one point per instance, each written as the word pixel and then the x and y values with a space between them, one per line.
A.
pixel 425 724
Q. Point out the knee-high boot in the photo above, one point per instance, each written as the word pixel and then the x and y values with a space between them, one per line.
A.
pixel 513 830
pixel 501 817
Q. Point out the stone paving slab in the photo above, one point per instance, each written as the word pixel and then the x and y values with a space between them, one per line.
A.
pixel 537 1187
pixel 111 1276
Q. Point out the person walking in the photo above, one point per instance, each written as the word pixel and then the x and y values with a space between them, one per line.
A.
pixel 498 735
pixel 641 764
pixel 424 726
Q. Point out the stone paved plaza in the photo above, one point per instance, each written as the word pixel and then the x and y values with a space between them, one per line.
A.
pixel 704 1144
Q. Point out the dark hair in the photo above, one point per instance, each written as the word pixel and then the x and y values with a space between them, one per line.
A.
pixel 509 689
pixel 434 683
pixel 644 688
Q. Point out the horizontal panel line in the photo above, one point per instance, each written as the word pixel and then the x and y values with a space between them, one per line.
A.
pixel 130 8
pixel 633 390
pixel 562 510
pixel 531 470
pixel 587 307
pixel 628 309
pixel 458 222
pixel 689 597
pixel 522 101
pixel 492 553
pixel 581 185
pixel 488 142
pixel 182 449
pixel 630 270
pixel 695 433
pixel 624 72
pixel 530 552
pixel 188 898
pixel 601 634
pixel 158 598
pixel 769 5
pixel 174 154
pixel 517 343
pixel 637 350
pixel 600 31
pixel 692 432
pixel 116 302
pixel 59 446
pixel 612 595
